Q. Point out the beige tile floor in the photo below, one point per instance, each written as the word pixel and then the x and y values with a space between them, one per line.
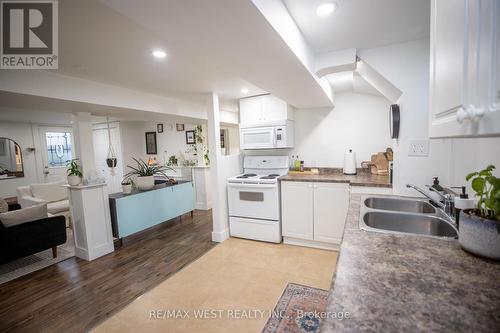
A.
pixel 235 275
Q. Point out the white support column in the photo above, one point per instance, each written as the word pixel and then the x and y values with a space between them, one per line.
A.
pixel 89 203
pixel 220 230
pixel 83 140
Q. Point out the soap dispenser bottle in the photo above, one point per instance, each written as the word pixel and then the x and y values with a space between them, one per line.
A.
pixel 436 186
pixel 462 202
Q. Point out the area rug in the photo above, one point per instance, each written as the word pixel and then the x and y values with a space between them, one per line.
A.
pixel 35 262
pixel 299 309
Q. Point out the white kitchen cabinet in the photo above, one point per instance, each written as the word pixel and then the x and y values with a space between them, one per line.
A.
pixel 251 109
pixel 297 209
pixel 314 214
pixel 331 202
pixel 464 68
pixel 264 109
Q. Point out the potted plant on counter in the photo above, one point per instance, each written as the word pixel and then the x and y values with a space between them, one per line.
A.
pixel 74 172
pixel 479 230
pixel 145 173
pixel 127 184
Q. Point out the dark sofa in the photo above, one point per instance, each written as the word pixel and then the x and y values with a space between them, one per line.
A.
pixel 31 237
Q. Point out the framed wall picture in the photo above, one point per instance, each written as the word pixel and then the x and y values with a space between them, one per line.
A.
pixel 159 128
pixel 190 139
pixel 180 127
pixel 151 143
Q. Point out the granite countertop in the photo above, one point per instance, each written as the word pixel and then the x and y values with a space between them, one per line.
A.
pixel 406 283
pixel 119 195
pixel 335 175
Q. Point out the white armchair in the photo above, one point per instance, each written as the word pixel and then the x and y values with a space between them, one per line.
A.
pixel 54 194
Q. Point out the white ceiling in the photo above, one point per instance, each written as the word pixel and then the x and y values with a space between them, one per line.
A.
pixel 213 46
pixel 361 23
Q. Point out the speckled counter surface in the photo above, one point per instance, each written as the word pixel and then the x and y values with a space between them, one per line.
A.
pixel 363 178
pixel 400 283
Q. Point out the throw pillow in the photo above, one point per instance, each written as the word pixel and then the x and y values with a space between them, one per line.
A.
pixel 50 192
pixel 4 206
pixel 24 215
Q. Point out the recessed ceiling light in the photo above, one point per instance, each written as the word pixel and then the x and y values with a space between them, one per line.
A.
pixel 160 54
pixel 244 91
pixel 326 8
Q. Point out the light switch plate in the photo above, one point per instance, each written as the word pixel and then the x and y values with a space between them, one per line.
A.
pixel 418 148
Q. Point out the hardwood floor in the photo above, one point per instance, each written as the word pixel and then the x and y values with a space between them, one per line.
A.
pixel 75 295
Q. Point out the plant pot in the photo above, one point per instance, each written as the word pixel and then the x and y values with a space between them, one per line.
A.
pixel 479 235
pixel 112 162
pixel 74 180
pixel 127 188
pixel 145 183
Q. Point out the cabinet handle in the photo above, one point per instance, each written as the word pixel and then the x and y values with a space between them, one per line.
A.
pixel 463 114
pixel 469 113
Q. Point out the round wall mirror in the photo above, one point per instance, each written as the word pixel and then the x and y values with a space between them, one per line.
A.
pixel 11 159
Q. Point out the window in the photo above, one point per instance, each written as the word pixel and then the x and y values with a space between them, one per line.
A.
pixel 59 149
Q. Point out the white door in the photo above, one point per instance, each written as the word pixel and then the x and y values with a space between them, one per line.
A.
pixel 57 150
pixel 273 108
pixel 101 146
pixel 331 202
pixel 297 209
pixel 250 110
pixel 464 91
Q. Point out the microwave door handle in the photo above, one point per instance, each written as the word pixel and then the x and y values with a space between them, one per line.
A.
pixel 274 137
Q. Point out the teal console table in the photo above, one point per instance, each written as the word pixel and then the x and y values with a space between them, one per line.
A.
pixel 139 210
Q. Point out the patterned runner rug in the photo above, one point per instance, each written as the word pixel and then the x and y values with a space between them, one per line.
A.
pixel 298 310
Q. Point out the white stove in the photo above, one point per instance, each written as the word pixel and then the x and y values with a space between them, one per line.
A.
pixel 254 199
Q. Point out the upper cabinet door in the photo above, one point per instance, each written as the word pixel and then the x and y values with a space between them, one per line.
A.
pixel 274 109
pixel 464 68
pixel 251 109
pixel 264 109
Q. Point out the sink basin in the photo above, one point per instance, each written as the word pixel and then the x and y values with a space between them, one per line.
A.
pixel 400 205
pixel 409 223
pixel 393 214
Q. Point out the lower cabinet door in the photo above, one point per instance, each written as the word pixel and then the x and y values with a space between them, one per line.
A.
pixel 297 209
pixel 331 202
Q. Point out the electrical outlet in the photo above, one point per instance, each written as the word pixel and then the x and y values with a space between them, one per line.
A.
pixel 418 148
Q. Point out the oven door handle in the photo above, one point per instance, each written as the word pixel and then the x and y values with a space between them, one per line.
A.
pixel 247 185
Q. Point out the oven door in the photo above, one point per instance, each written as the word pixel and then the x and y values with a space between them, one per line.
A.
pixel 259 201
pixel 257 138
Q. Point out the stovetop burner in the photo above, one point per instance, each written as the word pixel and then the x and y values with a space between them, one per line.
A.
pixel 269 176
pixel 274 175
pixel 247 175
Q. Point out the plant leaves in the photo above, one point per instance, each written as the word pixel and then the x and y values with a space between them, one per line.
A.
pixel 478 184
pixel 470 175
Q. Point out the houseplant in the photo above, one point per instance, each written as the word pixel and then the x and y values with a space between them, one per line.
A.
pixel 479 230
pixel 74 172
pixel 145 173
pixel 127 184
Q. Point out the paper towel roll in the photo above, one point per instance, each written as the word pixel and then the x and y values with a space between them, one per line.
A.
pixel 350 163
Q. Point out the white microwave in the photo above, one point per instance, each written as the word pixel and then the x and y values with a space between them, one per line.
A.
pixel 267 136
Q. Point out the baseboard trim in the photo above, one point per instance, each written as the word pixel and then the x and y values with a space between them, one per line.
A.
pixel 311 243
pixel 220 236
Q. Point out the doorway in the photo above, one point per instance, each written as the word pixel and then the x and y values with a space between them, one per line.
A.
pixel 57 150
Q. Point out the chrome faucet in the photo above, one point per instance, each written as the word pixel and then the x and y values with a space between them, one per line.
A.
pixel 447 202
pixel 426 194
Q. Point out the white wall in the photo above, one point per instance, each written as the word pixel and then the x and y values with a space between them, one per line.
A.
pixel 23 135
pixel 359 122
pixel 134 141
pixel 407 66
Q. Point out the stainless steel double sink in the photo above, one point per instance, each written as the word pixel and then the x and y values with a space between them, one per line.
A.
pixel 393 214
